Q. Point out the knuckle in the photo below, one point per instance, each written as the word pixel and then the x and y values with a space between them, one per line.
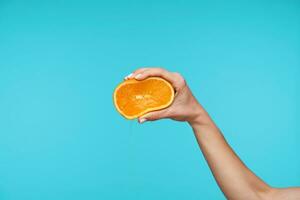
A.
pixel 177 75
pixel 151 116
pixel 167 112
pixel 145 71
pixel 179 78
pixel 159 69
pixel 139 69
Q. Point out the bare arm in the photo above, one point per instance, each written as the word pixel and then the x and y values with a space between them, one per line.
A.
pixel 234 178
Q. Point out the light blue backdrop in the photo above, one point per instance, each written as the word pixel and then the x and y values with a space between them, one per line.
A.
pixel 60 136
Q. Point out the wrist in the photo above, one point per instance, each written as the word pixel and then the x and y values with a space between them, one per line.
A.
pixel 199 117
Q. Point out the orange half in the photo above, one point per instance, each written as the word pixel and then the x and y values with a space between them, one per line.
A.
pixel 134 98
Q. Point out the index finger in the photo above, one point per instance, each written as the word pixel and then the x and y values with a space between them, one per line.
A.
pixel 174 78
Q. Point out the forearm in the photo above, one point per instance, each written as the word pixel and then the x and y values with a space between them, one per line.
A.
pixel 233 177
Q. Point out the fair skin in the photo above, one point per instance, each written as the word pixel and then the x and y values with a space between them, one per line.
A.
pixel 236 181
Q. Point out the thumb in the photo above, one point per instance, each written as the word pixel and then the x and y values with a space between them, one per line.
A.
pixel 152 116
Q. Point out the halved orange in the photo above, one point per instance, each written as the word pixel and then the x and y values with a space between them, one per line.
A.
pixel 134 98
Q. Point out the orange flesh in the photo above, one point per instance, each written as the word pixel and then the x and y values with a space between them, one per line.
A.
pixel 134 98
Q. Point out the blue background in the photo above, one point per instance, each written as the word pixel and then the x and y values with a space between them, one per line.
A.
pixel 61 137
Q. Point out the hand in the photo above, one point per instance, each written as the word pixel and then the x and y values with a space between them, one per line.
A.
pixel 225 165
pixel 184 107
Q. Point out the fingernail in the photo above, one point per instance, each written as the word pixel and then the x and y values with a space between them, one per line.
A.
pixel 142 120
pixel 128 76
pixel 138 76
